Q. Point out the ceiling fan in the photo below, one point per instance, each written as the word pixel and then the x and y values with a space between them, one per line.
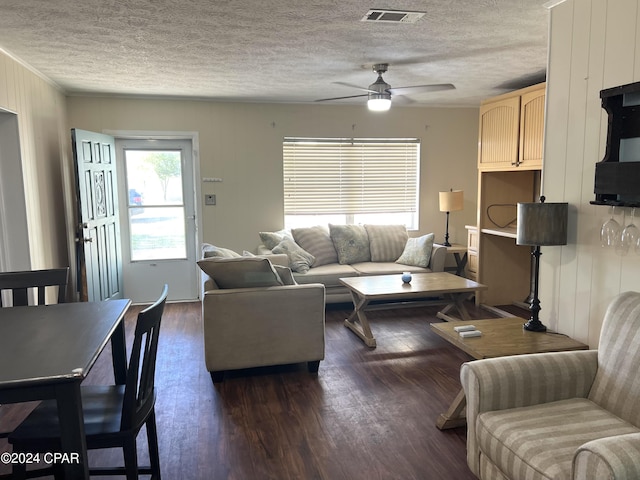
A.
pixel 380 92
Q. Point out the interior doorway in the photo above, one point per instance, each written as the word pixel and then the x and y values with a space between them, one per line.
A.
pixel 158 217
pixel 14 237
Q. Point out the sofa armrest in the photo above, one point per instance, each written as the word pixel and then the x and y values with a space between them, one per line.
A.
pixel 522 380
pixel 251 327
pixel 616 457
pixel 438 257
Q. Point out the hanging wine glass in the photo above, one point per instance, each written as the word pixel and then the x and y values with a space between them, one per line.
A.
pixel 630 235
pixel 622 248
pixel 610 232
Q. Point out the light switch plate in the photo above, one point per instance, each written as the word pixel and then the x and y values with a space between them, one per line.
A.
pixel 209 199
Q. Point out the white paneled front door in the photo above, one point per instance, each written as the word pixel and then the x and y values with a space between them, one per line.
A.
pixel 159 223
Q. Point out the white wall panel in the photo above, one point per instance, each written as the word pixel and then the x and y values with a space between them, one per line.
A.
pixel 41 123
pixel 593 45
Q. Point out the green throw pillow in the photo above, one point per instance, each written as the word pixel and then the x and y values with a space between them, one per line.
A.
pixel 351 243
pixel 299 260
pixel 271 239
pixel 417 251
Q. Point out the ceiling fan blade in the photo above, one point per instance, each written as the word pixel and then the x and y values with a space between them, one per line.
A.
pixel 351 85
pixel 340 98
pixel 403 100
pixel 436 87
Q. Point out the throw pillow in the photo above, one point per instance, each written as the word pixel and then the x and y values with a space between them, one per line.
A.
pixel 317 242
pixel 285 275
pixel 211 251
pixel 240 272
pixel 299 260
pixel 418 251
pixel 386 242
pixel 351 243
pixel 271 239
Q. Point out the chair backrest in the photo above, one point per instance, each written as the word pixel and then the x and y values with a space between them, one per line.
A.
pixel 20 283
pixel 616 387
pixel 139 396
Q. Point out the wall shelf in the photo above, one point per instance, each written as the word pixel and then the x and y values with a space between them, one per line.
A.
pixel 500 232
pixel 617 175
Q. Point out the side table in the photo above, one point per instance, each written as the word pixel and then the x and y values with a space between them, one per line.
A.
pixel 459 252
pixel 500 337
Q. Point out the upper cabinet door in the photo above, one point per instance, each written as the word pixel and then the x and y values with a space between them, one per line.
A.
pixel 498 139
pixel 511 130
pixel 532 129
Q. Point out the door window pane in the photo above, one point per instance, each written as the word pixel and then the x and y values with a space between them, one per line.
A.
pixel 155 204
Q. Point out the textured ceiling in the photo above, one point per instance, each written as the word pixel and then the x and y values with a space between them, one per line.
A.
pixel 277 50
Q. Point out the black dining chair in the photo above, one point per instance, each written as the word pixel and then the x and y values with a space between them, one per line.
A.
pixel 20 283
pixel 113 415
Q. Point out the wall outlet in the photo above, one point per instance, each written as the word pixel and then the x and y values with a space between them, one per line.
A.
pixel 209 199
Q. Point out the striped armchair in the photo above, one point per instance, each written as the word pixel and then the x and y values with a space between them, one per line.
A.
pixel 565 415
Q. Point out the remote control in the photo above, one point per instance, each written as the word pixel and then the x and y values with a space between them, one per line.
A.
pixel 471 333
pixel 464 328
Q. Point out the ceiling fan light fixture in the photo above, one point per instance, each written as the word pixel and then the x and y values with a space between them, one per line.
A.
pixel 379 102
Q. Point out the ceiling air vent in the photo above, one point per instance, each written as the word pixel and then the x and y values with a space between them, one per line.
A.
pixel 392 16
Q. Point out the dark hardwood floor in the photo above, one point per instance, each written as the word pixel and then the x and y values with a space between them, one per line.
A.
pixel 369 413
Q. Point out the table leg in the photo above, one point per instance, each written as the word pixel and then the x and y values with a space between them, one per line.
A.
pixel 454 416
pixel 72 435
pixel 460 263
pixel 457 302
pixel 119 354
pixel 360 327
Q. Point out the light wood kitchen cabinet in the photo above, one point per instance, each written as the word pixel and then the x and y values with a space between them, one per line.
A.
pixel 509 171
pixel 511 130
pixel 472 252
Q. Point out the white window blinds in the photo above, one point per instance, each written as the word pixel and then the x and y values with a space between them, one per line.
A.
pixel 350 176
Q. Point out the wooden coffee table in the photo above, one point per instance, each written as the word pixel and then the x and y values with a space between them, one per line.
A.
pixel 437 288
pixel 500 337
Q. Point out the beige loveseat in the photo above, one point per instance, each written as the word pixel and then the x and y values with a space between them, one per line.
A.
pixel 324 254
pixel 255 315
pixel 556 416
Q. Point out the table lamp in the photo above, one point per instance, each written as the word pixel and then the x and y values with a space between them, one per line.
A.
pixel 540 224
pixel 450 201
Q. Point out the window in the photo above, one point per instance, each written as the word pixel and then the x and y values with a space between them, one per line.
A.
pixel 344 181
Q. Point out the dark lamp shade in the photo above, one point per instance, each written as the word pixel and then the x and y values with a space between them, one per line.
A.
pixel 542 223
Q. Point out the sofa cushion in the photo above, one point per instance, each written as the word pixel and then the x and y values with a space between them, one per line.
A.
pixel 211 251
pixel 386 268
pixel 417 252
pixel 317 242
pixel 299 259
pixel 351 243
pixel 271 239
pixel 240 272
pixel 540 441
pixel 386 242
pixel 329 274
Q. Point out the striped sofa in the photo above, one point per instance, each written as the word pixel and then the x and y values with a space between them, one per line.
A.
pixel 565 415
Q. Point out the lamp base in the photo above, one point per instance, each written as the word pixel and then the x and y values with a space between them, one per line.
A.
pixel 534 326
pixel 446 243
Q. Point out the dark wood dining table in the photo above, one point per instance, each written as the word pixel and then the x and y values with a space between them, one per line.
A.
pixel 46 352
